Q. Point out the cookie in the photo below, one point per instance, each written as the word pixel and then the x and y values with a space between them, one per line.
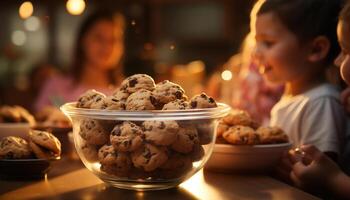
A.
pixel 121 95
pixel 160 132
pixel 41 152
pixel 178 104
pixel 16 114
pixel 205 131
pixel 240 117
pixel 241 135
pixel 197 152
pixel 89 98
pixel 149 157
pixel 8 114
pixel 90 152
pixel 222 127
pixel 271 135
pixel 109 103
pixel 141 100
pixel 167 91
pixel 45 140
pixel 113 162
pixel 126 137
pixel 202 101
pixel 187 136
pixel 176 166
pixel 14 148
pixel 93 132
pixel 137 82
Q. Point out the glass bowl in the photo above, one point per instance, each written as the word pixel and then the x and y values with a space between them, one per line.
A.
pixel 166 147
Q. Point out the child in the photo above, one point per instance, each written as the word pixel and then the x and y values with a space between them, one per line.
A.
pixel 296 43
pixel 322 172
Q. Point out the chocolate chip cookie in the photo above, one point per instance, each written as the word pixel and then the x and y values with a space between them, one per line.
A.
pixel 141 100
pixel 137 82
pixel 241 135
pixel 14 148
pixel 149 157
pixel 89 98
pixel 160 132
pixel 93 132
pixel 202 101
pixel 126 137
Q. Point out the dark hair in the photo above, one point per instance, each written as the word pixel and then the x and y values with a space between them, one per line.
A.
pixel 308 19
pixel 345 13
pixel 79 56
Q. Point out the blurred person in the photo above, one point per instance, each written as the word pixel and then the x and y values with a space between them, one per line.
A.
pixel 97 61
pixel 250 91
pixel 315 170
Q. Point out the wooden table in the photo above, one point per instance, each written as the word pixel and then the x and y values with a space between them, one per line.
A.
pixel 68 179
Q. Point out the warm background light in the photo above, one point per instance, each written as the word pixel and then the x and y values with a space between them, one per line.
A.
pixel 75 7
pixel 18 38
pixel 32 23
pixel 26 10
pixel 226 75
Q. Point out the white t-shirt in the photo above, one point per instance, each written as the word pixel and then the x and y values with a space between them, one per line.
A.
pixel 315 117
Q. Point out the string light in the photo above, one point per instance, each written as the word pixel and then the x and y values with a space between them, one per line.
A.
pixel 75 7
pixel 26 9
pixel 226 75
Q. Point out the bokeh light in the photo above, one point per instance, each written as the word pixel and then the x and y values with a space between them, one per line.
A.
pixel 18 38
pixel 226 75
pixel 75 7
pixel 32 23
pixel 26 9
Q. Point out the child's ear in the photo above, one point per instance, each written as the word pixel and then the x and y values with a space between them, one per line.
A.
pixel 319 49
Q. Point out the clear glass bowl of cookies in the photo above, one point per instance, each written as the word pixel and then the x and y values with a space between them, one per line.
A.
pixel 156 149
pixel 145 136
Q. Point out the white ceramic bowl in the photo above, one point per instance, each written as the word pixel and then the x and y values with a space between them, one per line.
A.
pixel 133 177
pixel 14 129
pixel 245 158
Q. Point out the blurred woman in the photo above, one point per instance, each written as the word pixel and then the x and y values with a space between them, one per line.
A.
pixel 97 62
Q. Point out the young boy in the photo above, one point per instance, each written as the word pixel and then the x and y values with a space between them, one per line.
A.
pixel 323 173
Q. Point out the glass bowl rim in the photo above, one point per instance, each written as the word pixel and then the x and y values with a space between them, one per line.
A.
pixel 222 110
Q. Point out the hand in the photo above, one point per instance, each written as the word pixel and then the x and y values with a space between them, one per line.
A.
pixel 318 171
pixel 345 99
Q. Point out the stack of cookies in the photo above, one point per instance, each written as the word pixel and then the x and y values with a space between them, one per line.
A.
pixel 15 114
pixel 157 149
pixel 41 144
pixel 239 128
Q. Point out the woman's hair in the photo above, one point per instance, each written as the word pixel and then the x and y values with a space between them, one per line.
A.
pixel 345 13
pixel 79 54
pixel 308 19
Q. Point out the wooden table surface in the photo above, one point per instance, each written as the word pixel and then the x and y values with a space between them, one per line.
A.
pixel 68 179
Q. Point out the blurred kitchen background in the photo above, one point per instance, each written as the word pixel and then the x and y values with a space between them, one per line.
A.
pixel 187 41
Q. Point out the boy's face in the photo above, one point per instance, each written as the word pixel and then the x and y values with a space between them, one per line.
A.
pixel 343 60
pixel 279 53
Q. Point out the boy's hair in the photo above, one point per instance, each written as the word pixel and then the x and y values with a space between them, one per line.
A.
pixel 345 13
pixel 308 19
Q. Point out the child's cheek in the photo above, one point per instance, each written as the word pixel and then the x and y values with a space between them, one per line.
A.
pixel 345 70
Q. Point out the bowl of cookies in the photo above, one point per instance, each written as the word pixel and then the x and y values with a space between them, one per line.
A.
pixel 145 136
pixel 28 158
pixel 243 145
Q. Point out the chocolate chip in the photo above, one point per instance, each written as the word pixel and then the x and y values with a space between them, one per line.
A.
pixel 153 100
pixel 116 131
pixel 115 100
pixel 204 96
pixel 162 125
pixel 178 94
pixel 125 143
pixel 193 104
pixel 133 82
pixel 211 100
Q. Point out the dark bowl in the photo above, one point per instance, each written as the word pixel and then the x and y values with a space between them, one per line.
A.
pixel 24 168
